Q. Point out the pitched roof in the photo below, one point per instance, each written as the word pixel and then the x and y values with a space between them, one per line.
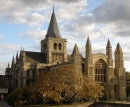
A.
pixel 34 57
pixel 53 30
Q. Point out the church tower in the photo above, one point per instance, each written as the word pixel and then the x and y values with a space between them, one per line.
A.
pixel 76 59
pixel 120 73
pixel 53 46
pixel 110 72
pixel 88 60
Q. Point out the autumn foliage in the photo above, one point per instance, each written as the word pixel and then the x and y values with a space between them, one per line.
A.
pixel 55 85
pixel 58 85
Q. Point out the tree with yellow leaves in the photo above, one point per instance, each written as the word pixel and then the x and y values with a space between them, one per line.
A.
pixel 58 85
pixel 91 89
pixel 55 84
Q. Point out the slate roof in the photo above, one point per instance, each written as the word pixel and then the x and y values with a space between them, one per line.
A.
pixel 34 57
pixel 53 30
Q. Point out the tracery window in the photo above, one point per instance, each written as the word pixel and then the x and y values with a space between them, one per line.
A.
pixel 100 71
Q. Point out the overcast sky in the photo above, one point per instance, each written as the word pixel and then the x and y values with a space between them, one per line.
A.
pixel 24 23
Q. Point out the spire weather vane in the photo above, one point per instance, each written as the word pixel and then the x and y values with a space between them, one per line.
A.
pixel 53 4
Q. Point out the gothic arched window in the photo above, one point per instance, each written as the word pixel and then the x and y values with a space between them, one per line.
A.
pixel 100 71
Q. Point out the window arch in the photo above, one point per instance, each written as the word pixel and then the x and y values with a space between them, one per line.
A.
pixel 60 46
pixel 55 46
pixel 100 71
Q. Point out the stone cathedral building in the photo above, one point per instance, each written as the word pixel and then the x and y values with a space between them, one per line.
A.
pixel 101 67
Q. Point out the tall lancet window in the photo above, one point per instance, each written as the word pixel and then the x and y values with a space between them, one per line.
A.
pixel 100 71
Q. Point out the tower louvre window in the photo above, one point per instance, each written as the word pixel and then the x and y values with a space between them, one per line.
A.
pixel 55 46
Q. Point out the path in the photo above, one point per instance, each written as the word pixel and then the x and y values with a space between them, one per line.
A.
pixel 4 104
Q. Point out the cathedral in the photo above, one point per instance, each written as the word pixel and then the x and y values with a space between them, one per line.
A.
pixel 98 66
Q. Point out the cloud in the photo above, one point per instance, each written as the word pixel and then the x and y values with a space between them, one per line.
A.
pixel 124 33
pixel 8 46
pixel 113 11
pixel 76 22
pixel 7 50
pixel 35 34
pixel 1 36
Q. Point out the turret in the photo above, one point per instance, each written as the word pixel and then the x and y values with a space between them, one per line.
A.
pixel 17 58
pixel 23 55
pixel 88 48
pixel 76 59
pixel 109 50
pixel 8 64
pixel 88 59
pixel 13 61
pixel 119 62
pixel 110 71
pixel 75 50
pixel 75 54
pixel 120 72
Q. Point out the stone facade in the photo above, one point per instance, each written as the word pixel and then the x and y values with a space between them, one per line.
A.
pixel 99 66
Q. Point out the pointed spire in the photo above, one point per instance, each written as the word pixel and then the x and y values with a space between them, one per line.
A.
pixel 23 52
pixel 53 5
pixel 88 41
pixel 8 64
pixel 13 60
pixel 53 30
pixel 108 44
pixel 17 56
pixel 75 50
pixel 118 48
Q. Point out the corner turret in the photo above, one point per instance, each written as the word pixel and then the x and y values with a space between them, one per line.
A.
pixel 120 72
pixel 110 71
pixel 88 48
pixel 76 59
